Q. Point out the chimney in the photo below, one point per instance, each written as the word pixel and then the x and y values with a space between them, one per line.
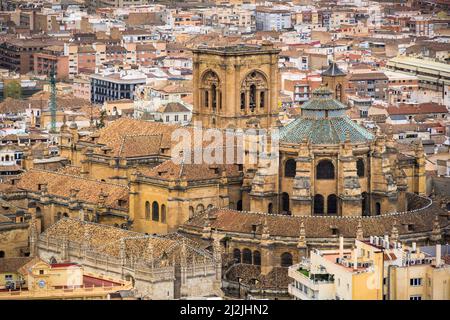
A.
pixel 341 247
pixel 386 241
pixel 438 255
pixel 413 246
pixel 371 239
pixel 355 259
pixel 375 241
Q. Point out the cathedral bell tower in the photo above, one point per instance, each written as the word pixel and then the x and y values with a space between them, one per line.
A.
pixel 235 86
pixel 334 79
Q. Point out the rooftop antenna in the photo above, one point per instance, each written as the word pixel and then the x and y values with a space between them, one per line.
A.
pixel 53 100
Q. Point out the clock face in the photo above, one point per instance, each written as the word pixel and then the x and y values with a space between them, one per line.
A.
pixel 41 283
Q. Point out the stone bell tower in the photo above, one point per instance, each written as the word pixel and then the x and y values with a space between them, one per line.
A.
pixel 235 86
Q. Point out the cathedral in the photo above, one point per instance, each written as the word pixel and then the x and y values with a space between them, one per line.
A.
pixel 327 165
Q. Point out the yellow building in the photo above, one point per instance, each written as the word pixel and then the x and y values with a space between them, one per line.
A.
pixel 377 269
pixel 32 278
pixel 343 274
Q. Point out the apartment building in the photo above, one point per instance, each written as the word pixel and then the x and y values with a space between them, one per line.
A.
pixel 17 54
pixel 371 83
pixel 52 59
pixel 402 88
pixel 268 19
pixel 115 85
pixel 377 269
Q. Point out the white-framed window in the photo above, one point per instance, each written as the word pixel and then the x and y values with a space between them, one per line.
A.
pixel 176 118
pixel 185 117
pixel 8 277
pixel 415 297
pixel 167 118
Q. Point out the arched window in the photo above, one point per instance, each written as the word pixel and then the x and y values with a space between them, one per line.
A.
pixel 239 205
pixel 191 212
pixel 255 84
pixel 262 96
pixel 256 258
pixel 290 168
pixel 214 96
pixel 286 259
pixel 332 204
pixel 325 170
pixel 210 206
pixel 448 206
pixel 237 255
pixel 65 215
pixel 2 254
pixel 155 211
pixel 318 204
pixel 338 92
pixel 285 202
pixel 58 216
pixel 378 208
pixel 200 208
pixel 210 83
pixel 364 204
pixel 246 256
pixel 360 168
pixel 53 260
pixel 163 213
pixel 147 210
pixel 252 102
pixel 270 208
pixel 7 158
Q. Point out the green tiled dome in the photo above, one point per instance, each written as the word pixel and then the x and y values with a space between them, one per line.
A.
pixel 323 121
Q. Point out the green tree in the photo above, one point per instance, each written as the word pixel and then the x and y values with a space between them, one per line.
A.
pixel 12 89
pixel 101 122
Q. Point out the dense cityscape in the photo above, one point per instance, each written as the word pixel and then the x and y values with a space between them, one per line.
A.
pixel 225 150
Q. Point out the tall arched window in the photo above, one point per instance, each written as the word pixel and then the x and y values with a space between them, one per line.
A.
pixel 270 208
pixel 252 102
pixel 239 205
pixel 237 255
pixel 262 97
pixel 378 208
pixel 255 84
pixel 206 102
pixel 318 204
pixel 290 167
pixel 147 210
pixel 364 204
pixel 246 256
pixel 256 258
pixel 286 259
pixel 2 254
pixel 285 202
pixel 360 168
pixel 214 96
pixel 325 170
pixel 332 204
pixel 155 211
pixel 163 213
pixel 210 85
